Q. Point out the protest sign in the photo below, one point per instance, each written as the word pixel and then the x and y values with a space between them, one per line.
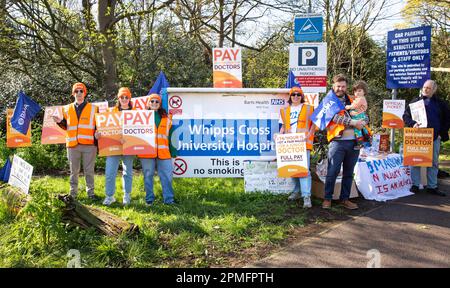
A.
pixel 418 147
pixel 262 176
pixel 227 68
pixel 138 131
pixel 216 130
pixel 419 114
pixel 393 111
pixel 291 155
pixel 140 103
pixel 383 179
pixel 14 138
pixel 109 126
pixel 20 176
pixel 51 132
pixel 102 106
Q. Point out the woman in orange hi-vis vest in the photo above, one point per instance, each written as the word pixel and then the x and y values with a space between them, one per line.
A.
pixel 79 122
pixel 112 162
pixel 161 159
pixel 296 118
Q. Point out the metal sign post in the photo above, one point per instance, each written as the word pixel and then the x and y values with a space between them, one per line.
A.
pixel 394 96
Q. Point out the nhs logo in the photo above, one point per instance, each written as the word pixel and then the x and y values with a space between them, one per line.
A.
pixel 277 101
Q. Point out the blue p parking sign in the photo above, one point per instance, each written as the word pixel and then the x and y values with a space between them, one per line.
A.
pixel 307 56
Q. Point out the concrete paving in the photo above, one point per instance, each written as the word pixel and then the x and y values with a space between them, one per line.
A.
pixel 412 231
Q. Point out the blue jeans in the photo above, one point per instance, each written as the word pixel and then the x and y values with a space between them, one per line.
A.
pixel 112 164
pixel 341 152
pixel 303 184
pixel 165 169
pixel 432 171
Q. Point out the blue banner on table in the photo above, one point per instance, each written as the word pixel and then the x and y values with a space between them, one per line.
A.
pixel 408 57
pixel 26 109
pixel 326 110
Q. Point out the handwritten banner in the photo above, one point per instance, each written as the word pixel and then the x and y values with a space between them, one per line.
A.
pixel 383 179
pixel 418 147
pixel 21 172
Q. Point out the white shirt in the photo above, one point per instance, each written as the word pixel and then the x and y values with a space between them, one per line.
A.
pixel 295 113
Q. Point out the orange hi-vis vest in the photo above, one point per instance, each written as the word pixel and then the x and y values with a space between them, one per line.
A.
pixel 334 129
pixel 162 150
pixel 80 131
pixel 304 123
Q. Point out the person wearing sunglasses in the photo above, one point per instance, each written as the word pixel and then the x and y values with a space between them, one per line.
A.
pixel 160 160
pixel 296 118
pixel 79 122
pixel 112 162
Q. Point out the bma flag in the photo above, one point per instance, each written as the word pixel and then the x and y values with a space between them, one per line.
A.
pixel 326 110
pixel 26 108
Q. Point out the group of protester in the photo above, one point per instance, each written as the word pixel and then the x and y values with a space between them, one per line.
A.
pixel 347 133
pixel 79 122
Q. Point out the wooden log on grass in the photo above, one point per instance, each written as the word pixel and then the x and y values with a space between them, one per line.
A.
pixel 85 216
pixel 74 213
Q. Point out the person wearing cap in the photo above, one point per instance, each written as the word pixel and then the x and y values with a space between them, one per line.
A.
pixel 161 158
pixel 112 162
pixel 79 122
pixel 296 118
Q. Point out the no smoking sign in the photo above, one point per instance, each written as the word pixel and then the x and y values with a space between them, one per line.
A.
pixel 179 166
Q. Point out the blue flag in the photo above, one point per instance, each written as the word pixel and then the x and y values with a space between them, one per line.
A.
pixel 159 88
pixel 326 110
pixel 24 111
pixel 292 81
pixel 5 171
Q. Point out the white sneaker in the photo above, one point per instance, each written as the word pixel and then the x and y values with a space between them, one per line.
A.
pixel 307 202
pixel 294 196
pixel 126 200
pixel 109 200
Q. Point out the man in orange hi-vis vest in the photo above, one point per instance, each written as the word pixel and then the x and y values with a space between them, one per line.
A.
pixel 342 150
pixel 79 122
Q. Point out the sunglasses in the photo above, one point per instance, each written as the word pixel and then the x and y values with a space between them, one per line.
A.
pixel 79 91
pixel 154 101
pixel 123 97
pixel 296 94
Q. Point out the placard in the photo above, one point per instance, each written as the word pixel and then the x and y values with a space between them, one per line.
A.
pixel 21 172
pixel 14 138
pixel 418 147
pixel 139 133
pixel 109 126
pixel 51 132
pixel 393 111
pixel 291 155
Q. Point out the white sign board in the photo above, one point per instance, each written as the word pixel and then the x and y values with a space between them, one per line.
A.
pixel 215 130
pixel 20 176
pixel 261 176
pixel 419 113
pixel 308 62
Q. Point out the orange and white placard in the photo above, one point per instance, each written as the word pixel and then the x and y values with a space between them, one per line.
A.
pixel 14 138
pixel 393 114
pixel 291 155
pixel 227 68
pixel 139 133
pixel 418 147
pixel 109 126
pixel 102 106
pixel 51 132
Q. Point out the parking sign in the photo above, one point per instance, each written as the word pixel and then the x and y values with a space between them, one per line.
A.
pixel 308 62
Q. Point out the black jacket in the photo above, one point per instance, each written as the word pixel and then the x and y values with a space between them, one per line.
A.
pixel 444 116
